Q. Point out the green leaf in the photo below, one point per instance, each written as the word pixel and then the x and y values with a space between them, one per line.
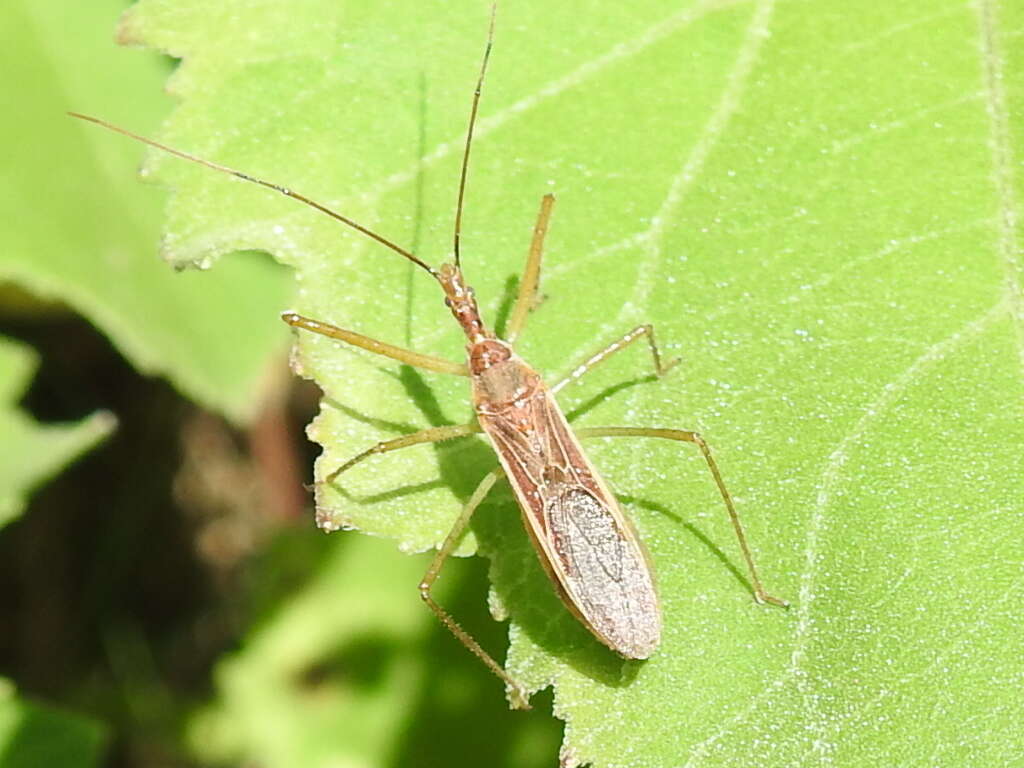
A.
pixel 34 452
pixel 817 207
pixel 81 229
pixel 32 734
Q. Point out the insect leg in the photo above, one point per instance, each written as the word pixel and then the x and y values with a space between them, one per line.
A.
pixel 406 356
pixel 616 346
pixel 530 282
pixel 431 435
pixel 518 695
pixel 686 436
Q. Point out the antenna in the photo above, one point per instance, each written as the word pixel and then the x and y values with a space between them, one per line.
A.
pixel 469 133
pixel 270 185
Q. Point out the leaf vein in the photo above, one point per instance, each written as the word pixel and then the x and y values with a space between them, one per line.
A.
pixel 619 52
pixel 729 100
pixel 830 479
pixel 1003 163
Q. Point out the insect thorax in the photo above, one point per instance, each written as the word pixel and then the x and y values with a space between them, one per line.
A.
pixel 502 383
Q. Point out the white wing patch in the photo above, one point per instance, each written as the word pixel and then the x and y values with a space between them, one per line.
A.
pixel 604 572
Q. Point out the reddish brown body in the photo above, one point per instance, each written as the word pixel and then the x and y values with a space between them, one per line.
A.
pixel 597 564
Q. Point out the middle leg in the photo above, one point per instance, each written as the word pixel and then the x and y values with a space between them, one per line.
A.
pixel 617 346
pixel 431 435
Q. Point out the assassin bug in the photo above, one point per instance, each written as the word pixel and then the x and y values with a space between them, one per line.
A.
pixel 597 564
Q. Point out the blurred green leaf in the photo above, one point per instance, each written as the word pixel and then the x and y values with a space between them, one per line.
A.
pixel 818 208
pixel 353 670
pixel 301 677
pixel 80 228
pixel 32 735
pixel 34 452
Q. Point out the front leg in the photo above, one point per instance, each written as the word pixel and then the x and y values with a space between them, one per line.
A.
pixel 530 282
pixel 407 356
